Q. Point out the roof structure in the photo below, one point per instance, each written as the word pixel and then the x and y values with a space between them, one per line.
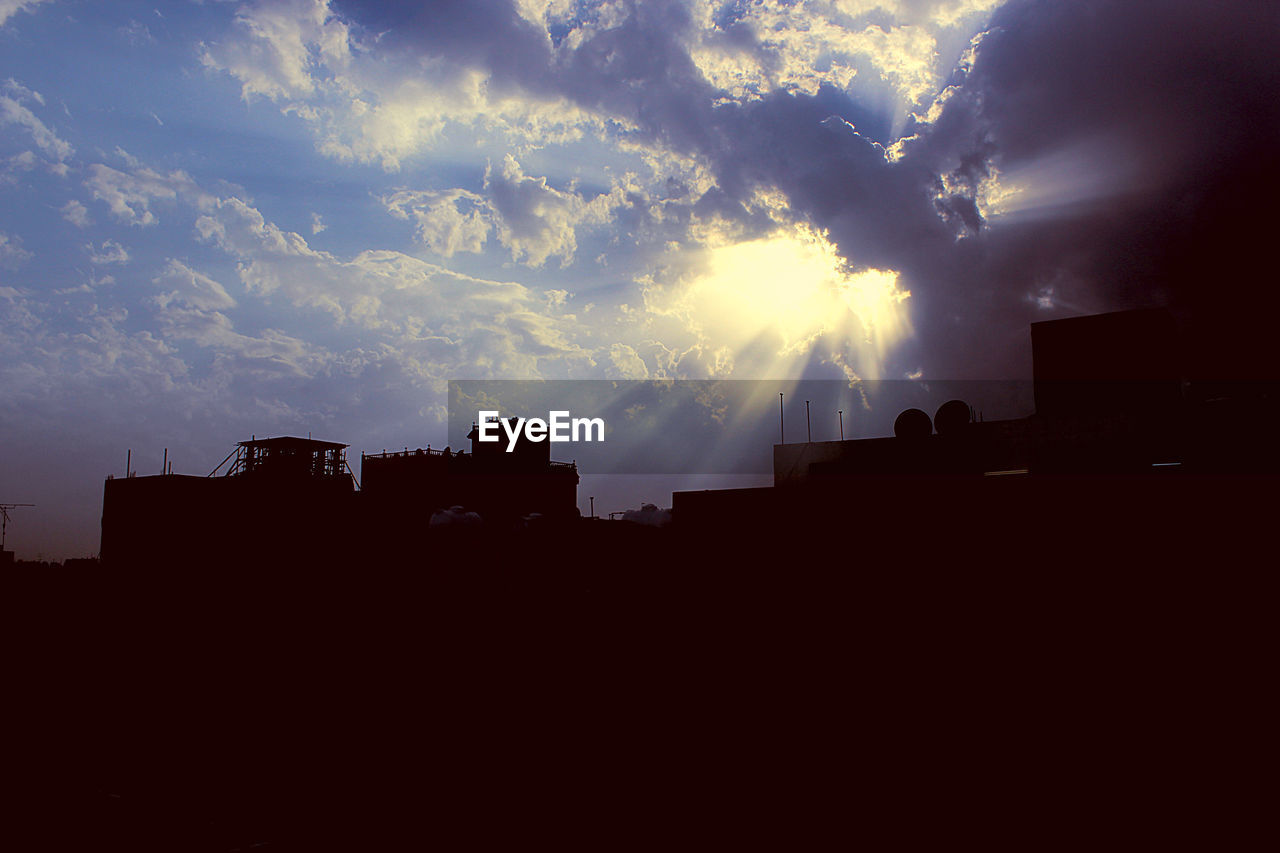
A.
pixel 293 443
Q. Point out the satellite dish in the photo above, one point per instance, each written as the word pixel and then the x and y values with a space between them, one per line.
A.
pixel 912 423
pixel 952 417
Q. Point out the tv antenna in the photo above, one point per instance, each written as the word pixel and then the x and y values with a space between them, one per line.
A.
pixel 4 526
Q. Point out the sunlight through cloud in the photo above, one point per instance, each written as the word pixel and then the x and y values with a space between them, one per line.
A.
pixel 777 302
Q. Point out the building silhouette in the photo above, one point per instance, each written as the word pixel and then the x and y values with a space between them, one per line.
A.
pixel 1119 441
pixel 502 487
pixel 1116 429
pixel 294 501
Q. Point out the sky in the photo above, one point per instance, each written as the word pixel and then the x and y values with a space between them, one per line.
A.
pixel 225 219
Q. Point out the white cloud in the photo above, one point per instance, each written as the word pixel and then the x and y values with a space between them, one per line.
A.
pixel 76 213
pixel 626 363
pixel 110 252
pixel 448 221
pixel 9 8
pixel 282 43
pixel 137 34
pixel 190 288
pixel 129 194
pixel 13 111
pixel 12 254
pixel 799 47
pixel 24 160
pixel 536 221
pixel 532 219
pixel 192 307
pixel 370 106
pixel 440 321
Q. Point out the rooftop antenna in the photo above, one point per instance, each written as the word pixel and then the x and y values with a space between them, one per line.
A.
pixel 807 426
pixel 782 424
pixel 4 526
pixel 841 414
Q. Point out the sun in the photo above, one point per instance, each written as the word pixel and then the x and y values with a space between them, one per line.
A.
pixel 775 303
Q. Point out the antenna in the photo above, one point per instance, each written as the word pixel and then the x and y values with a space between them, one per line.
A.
pixel 807 426
pixel 782 424
pixel 4 526
pixel 841 414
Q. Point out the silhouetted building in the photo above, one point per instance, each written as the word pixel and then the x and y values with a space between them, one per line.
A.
pixel 1109 403
pixel 282 499
pixel 1126 362
pixel 501 486
pixel 294 501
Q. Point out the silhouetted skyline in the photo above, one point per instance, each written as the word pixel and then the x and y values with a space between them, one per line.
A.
pixel 283 218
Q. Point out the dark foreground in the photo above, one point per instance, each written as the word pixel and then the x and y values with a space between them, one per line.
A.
pixel 1021 688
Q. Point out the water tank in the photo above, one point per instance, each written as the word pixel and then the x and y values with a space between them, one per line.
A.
pixel 912 423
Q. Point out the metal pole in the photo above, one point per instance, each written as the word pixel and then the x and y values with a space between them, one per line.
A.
pixel 807 426
pixel 841 414
pixel 128 462
pixel 4 526
pixel 593 506
pixel 164 466
pixel 782 424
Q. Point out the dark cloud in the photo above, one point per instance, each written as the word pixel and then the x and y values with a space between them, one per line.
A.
pixel 472 33
pixel 1154 127
pixel 1148 130
pixel 1186 92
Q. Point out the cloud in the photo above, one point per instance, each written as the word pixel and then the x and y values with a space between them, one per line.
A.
pixel 280 45
pixel 13 111
pixel 532 219
pixel 190 289
pixel 975 138
pixel 766 307
pixel 1069 169
pixel 367 101
pixel 626 363
pixel 443 323
pixel 9 8
pixel 77 214
pixel 192 306
pixel 12 255
pixel 447 221
pixel 110 252
pixel 129 195
pixel 536 221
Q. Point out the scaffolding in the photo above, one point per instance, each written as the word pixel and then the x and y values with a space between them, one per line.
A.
pixel 286 456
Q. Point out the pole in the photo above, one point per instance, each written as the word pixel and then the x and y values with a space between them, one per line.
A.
pixel 128 462
pixel 164 466
pixel 807 426
pixel 593 506
pixel 4 525
pixel 841 414
pixel 782 425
